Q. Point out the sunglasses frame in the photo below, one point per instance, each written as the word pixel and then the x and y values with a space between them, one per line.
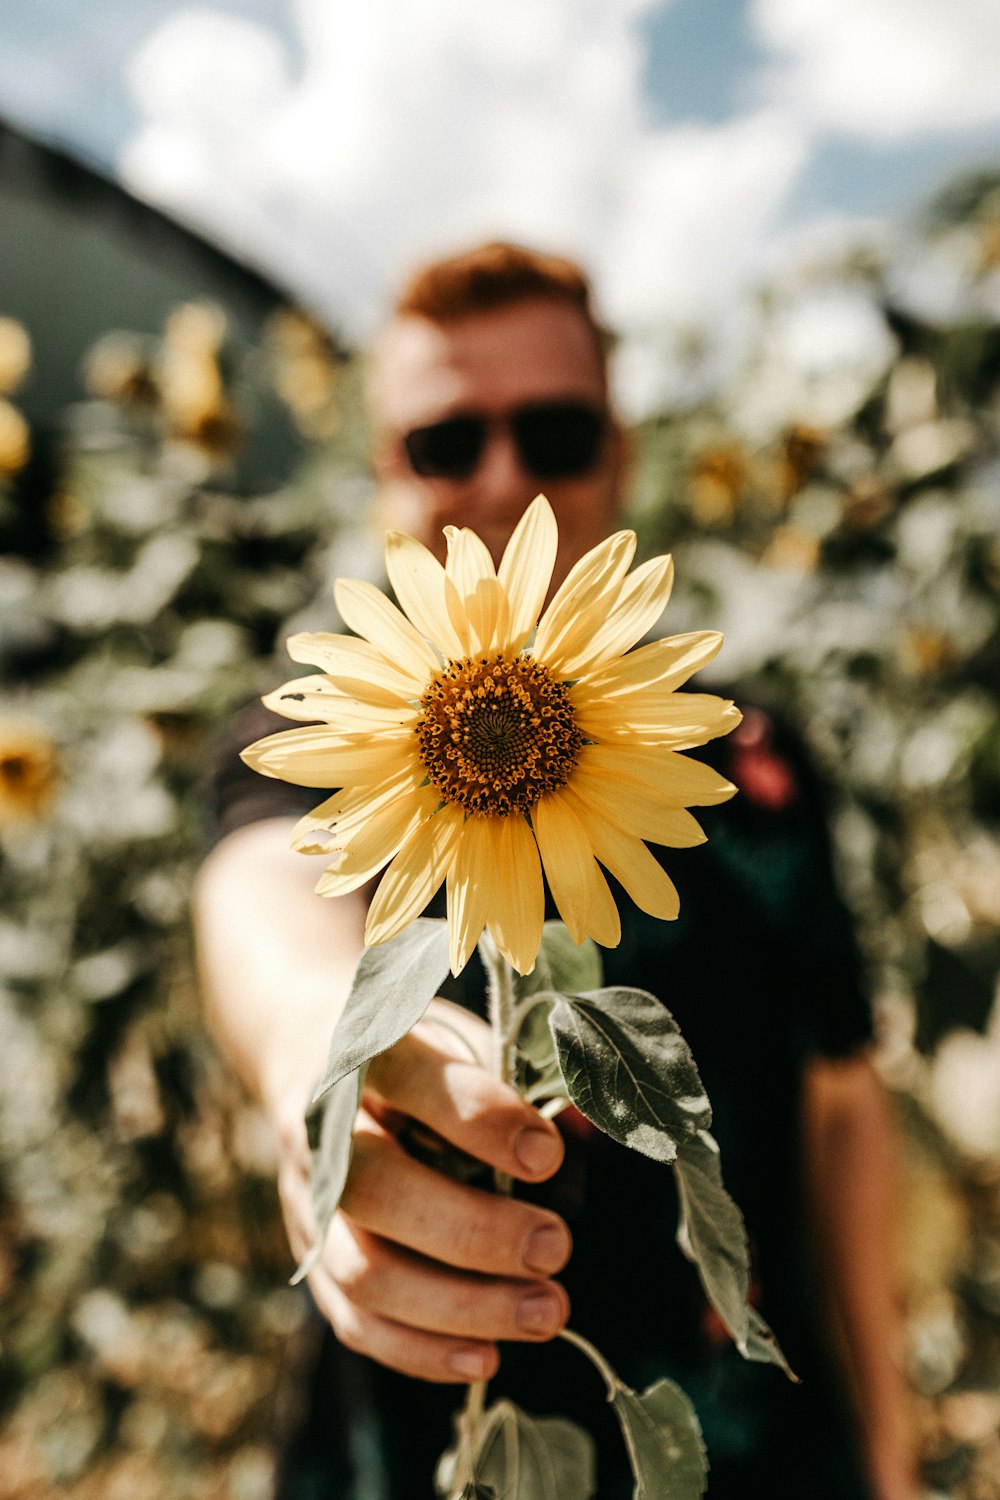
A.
pixel 519 422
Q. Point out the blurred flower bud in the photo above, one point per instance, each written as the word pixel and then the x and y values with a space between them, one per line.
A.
pixel 793 550
pixel 196 408
pixel 29 771
pixel 15 440
pixel 117 368
pixel 867 502
pixel 799 456
pixel 306 372
pixel 67 514
pixel 715 483
pixel 15 354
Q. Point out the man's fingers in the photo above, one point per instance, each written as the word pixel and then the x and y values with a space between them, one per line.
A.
pixel 379 1278
pixel 391 1195
pixel 461 1102
pixel 427 1356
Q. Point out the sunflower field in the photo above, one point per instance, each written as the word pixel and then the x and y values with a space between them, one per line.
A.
pixel 833 504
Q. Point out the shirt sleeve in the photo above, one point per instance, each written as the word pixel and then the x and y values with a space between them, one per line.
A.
pixel 783 810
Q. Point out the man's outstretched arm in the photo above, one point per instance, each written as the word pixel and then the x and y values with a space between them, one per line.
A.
pixel 422 1273
pixel 851 1176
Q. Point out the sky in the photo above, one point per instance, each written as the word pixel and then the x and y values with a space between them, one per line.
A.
pixel 678 146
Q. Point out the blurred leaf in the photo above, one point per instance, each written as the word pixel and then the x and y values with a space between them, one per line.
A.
pixel 534 1458
pixel 712 1235
pixel 330 1127
pixel 664 1442
pixel 394 984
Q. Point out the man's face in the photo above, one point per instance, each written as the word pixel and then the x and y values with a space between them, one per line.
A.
pixel 491 365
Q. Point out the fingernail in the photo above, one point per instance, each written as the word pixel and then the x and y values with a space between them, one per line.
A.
pixel 546 1249
pixel 469 1364
pixel 537 1150
pixel 539 1312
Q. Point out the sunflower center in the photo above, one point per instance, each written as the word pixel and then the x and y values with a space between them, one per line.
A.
pixel 497 733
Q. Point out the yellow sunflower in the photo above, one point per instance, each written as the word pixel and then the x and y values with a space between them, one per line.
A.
pixel 29 771
pixel 478 745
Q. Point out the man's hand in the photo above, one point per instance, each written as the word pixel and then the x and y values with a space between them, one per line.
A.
pixel 420 1271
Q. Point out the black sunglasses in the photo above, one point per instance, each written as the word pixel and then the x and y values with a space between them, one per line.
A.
pixel 554 440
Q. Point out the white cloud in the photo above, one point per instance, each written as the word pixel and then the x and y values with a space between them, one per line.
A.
pixel 409 129
pixel 884 69
pixel 414 129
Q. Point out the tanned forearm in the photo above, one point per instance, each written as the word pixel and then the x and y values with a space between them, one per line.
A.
pixel 276 960
pixel 851 1174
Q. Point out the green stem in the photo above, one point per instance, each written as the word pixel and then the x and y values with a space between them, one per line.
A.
pixel 596 1358
pixel 501 997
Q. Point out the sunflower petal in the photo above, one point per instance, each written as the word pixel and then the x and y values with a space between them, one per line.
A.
pixel 605 634
pixel 470 888
pixel 366 610
pixel 594 577
pixel 356 667
pixel 487 610
pixel 518 898
pixel 334 821
pixel 680 720
pixel 635 811
pixel 468 560
pixel 526 570
pixel 318 756
pixel 317 698
pixel 630 862
pixel 418 581
pixel 471 597
pixel 570 869
pixel 376 835
pixel 663 665
pixel 414 876
pixel 671 778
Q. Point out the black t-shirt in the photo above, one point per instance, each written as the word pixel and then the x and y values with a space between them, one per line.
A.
pixel 761 971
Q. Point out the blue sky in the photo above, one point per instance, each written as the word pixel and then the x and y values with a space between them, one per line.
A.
pixel 675 144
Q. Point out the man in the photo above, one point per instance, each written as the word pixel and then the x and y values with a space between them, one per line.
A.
pixel 488 385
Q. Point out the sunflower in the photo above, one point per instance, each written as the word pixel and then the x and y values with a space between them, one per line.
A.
pixel 479 746
pixel 29 771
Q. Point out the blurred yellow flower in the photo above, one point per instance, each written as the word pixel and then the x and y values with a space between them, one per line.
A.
pixel 15 354
pixel 15 440
pixel 716 482
pixel 476 749
pixel 29 771
pixel 195 405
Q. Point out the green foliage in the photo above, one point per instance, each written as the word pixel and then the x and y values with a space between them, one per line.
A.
pixel 533 1458
pixel 629 1070
pixel 392 988
pixel 394 984
pixel 712 1235
pixel 664 1441
pixel 331 1145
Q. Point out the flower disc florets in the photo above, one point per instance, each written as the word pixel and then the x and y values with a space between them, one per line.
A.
pixel 496 733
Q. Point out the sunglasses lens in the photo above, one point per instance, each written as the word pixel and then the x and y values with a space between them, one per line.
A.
pixel 559 439
pixel 446 450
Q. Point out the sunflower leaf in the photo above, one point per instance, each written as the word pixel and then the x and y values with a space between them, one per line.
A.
pixel 394 984
pixel 712 1235
pixel 664 1442
pixel 330 1128
pixel 526 1458
pixel 629 1070
pixel 574 967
